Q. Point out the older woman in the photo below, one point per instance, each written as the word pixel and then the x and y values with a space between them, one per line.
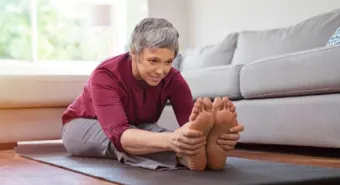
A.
pixel 115 116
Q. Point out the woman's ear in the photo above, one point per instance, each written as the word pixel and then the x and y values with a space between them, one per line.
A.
pixel 133 54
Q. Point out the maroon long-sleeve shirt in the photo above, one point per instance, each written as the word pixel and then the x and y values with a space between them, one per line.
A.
pixel 116 98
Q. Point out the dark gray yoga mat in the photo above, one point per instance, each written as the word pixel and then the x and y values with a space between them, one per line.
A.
pixel 237 172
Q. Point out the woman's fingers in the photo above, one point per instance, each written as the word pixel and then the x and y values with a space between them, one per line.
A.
pixel 238 128
pixel 192 141
pixel 227 147
pixel 189 142
pixel 231 136
pixel 190 146
pixel 230 143
pixel 191 133
pixel 185 146
pixel 189 152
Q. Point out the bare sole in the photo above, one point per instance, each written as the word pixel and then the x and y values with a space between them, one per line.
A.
pixel 202 119
pixel 225 118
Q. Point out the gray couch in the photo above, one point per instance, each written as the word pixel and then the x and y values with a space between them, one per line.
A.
pixel 284 82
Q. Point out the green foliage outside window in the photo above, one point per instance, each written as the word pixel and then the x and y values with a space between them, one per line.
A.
pixel 59 36
pixel 15 30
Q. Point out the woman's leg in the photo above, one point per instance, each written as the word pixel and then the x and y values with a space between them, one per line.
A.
pixel 85 138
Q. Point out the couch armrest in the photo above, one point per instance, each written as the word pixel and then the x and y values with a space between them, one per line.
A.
pixel 214 81
pixel 314 71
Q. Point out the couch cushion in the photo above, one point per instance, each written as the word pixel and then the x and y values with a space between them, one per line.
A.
pixel 19 91
pixel 311 33
pixel 303 121
pixel 315 71
pixel 214 81
pixel 208 56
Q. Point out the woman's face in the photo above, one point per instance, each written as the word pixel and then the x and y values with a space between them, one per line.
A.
pixel 152 65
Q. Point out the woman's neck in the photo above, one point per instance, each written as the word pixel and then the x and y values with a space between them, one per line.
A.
pixel 135 70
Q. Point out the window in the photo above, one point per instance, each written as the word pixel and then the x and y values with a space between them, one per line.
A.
pixel 15 30
pixel 66 33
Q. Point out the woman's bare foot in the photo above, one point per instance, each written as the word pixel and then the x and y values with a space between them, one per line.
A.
pixel 201 119
pixel 225 118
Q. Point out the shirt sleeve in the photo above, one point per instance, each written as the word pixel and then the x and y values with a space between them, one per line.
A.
pixel 106 98
pixel 181 99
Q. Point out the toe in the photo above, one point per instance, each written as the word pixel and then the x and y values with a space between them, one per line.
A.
pixel 235 114
pixel 200 104
pixel 225 99
pixel 194 114
pixel 232 108
pixel 230 105
pixel 226 102
pixel 207 104
pixel 195 110
pixel 218 103
pixel 197 105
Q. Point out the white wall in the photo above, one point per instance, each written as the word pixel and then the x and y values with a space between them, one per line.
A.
pixel 175 11
pixel 210 20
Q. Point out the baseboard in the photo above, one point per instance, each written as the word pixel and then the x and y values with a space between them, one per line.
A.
pixel 291 149
pixel 8 146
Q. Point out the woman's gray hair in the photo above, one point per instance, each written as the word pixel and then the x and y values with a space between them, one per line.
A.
pixel 154 33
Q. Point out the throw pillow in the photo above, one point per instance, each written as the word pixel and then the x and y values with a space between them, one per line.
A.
pixel 335 39
pixel 209 55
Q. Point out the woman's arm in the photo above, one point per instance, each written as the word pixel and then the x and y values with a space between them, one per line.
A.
pixel 181 99
pixel 106 96
pixel 183 141
pixel 140 142
pixel 106 93
pixel 106 99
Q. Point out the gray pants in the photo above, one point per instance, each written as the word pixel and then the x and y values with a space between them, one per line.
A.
pixel 85 138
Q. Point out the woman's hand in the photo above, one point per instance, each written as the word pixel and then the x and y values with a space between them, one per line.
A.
pixel 186 141
pixel 229 140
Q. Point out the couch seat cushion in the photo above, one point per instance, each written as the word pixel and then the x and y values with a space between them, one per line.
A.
pixel 23 91
pixel 214 81
pixel 310 72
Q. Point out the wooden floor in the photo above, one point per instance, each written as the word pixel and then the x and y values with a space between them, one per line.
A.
pixel 15 170
pixel 321 157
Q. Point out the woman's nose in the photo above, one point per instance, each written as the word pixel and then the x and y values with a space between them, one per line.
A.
pixel 160 70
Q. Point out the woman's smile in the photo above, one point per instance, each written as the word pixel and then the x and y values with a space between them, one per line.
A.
pixel 155 79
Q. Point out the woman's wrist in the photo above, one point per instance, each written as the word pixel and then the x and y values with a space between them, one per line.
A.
pixel 169 141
